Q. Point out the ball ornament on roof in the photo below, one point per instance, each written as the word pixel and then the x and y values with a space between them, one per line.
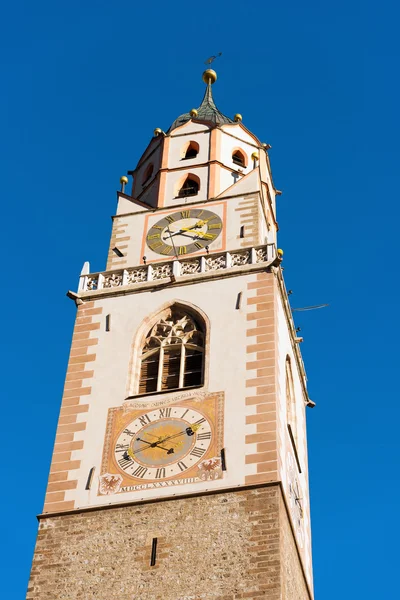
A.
pixel 237 118
pixel 209 76
pixel 193 113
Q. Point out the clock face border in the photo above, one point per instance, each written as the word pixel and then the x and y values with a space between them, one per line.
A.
pixel 199 238
pixel 113 479
pixel 151 219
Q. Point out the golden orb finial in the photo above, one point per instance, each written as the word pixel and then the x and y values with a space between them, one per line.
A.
pixel 193 112
pixel 209 76
pixel 266 146
pixel 123 179
pixel 254 156
pixel 237 118
pixel 280 252
pixel 157 131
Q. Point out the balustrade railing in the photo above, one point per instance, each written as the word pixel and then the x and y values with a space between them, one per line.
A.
pixel 179 267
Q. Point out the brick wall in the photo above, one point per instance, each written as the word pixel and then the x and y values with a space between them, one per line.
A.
pixel 261 416
pixel 119 239
pixel 75 405
pixel 227 546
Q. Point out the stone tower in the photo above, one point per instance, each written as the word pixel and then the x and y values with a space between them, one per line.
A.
pixel 180 462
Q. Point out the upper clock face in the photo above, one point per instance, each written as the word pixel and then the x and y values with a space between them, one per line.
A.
pixel 163 443
pixel 184 232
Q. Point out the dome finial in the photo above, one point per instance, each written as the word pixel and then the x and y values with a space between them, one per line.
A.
pixel 209 76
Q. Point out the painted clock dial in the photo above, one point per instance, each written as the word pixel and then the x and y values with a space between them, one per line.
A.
pixel 163 443
pixel 184 232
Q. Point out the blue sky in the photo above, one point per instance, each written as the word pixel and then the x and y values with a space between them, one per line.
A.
pixel 83 86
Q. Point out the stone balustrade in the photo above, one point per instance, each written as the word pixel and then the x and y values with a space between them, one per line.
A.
pixel 179 267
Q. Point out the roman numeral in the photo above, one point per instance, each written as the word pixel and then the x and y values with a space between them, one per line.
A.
pixel 215 226
pixel 124 463
pixel 186 411
pixel 140 472
pixel 200 421
pixel 170 219
pixel 129 432
pixel 160 473
pixel 144 420
pixel 121 447
pixel 182 466
pixel 165 412
pixel 185 214
pixel 204 436
pixel 154 236
pixel 182 250
pixel 155 245
pixel 198 245
pixel 157 227
pixel 199 213
pixel 166 250
pixel 197 452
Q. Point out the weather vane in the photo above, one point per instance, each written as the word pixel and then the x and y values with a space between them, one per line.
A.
pixel 212 58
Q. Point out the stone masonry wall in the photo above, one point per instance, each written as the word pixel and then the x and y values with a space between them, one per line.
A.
pixel 223 546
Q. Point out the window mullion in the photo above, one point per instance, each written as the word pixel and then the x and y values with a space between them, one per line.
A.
pixel 182 366
pixel 160 368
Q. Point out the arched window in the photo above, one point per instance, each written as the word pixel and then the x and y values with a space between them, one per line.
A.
pixel 191 150
pixel 190 187
pixel 238 158
pixel 173 353
pixel 290 402
pixel 147 174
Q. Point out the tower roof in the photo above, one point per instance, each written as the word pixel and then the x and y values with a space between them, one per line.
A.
pixel 207 110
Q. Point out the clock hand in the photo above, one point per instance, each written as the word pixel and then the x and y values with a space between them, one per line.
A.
pixel 189 431
pixel 161 439
pixel 156 445
pixel 205 236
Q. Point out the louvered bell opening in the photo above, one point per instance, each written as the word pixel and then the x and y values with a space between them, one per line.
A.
pixel 191 153
pixel 171 368
pixel 237 159
pixel 193 374
pixel 149 373
pixel 190 188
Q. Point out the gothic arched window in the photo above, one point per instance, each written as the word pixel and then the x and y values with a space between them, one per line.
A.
pixel 172 355
pixel 191 150
pixel 238 158
pixel 190 187
pixel 290 401
pixel 147 174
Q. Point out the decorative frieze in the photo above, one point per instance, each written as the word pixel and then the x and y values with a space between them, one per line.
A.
pixel 177 268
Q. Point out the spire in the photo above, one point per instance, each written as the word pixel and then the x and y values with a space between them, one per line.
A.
pixel 207 110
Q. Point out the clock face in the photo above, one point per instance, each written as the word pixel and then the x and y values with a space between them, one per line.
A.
pixel 163 443
pixel 184 232
pixel 296 499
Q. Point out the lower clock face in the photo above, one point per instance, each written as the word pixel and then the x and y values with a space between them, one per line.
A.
pixel 184 232
pixel 163 443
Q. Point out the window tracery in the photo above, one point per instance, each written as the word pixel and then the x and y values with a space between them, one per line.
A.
pixel 172 355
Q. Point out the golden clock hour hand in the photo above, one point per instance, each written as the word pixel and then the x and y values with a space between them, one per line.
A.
pixel 191 430
pixel 205 236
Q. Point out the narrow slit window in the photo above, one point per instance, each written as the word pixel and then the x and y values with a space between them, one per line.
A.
pixel 223 459
pixel 90 479
pixel 108 322
pixel 242 231
pixel 153 557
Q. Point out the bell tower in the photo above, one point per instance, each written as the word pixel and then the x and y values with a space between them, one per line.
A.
pixel 179 468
